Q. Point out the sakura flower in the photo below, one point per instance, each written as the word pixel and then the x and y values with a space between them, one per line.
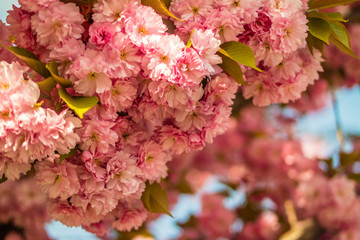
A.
pixel 120 96
pixel 207 45
pixel 143 22
pixel 101 34
pixel 289 33
pixel 97 136
pixel 57 23
pixel 152 161
pixel 59 180
pixel 163 54
pixel 90 70
pixel 124 176
pixel 129 218
pixel 111 10
pixel 191 9
pixel 122 57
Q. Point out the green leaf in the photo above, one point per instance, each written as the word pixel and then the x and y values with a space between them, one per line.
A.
pixel 80 105
pixel 340 31
pixel 314 42
pixel 329 17
pixel 52 67
pixel 321 4
pixel 240 53
pixel 342 47
pixel 160 7
pixel 31 60
pixel 320 29
pixel 336 16
pixel 155 199
pixel 68 155
pixel 233 69
pixel 189 43
pixel 47 85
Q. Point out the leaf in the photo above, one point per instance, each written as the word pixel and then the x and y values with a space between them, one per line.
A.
pixel 47 85
pixel 52 67
pixel 167 3
pixel 341 33
pixel 3 179
pixel 336 16
pixel 240 53
pixel 320 29
pixel 321 4
pixel 314 42
pixel 329 17
pixel 155 199
pixel 342 47
pixel 189 43
pixel 80 105
pixel 233 69
pixel 68 155
pixel 31 60
pixel 160 7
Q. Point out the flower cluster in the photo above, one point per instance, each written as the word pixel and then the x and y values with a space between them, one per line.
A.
pixel 157 97
pixel 29 132
pixel 22 211
pixel 276 32
pixel 156 90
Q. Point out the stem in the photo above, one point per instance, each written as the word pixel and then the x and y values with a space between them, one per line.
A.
pixel 290 212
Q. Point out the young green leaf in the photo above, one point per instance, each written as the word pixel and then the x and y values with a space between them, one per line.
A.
pixel 52 67
pixel 31 60
pixel 155 199
pixel 341 33
pixel 68 155
pixel 240 53
pixel 232 68
pixel 160 7
pixel 321 4
pixel 336 16
pixel 80 105
pixel 329 17
pixel 189 43
pixel 342 47
pixel 47 85
pixel 320 29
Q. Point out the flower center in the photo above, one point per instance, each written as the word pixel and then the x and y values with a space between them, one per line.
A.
pixel 195 10
pixel 95 137
pixel 92 76
pixel 5 114
pixel 4 85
